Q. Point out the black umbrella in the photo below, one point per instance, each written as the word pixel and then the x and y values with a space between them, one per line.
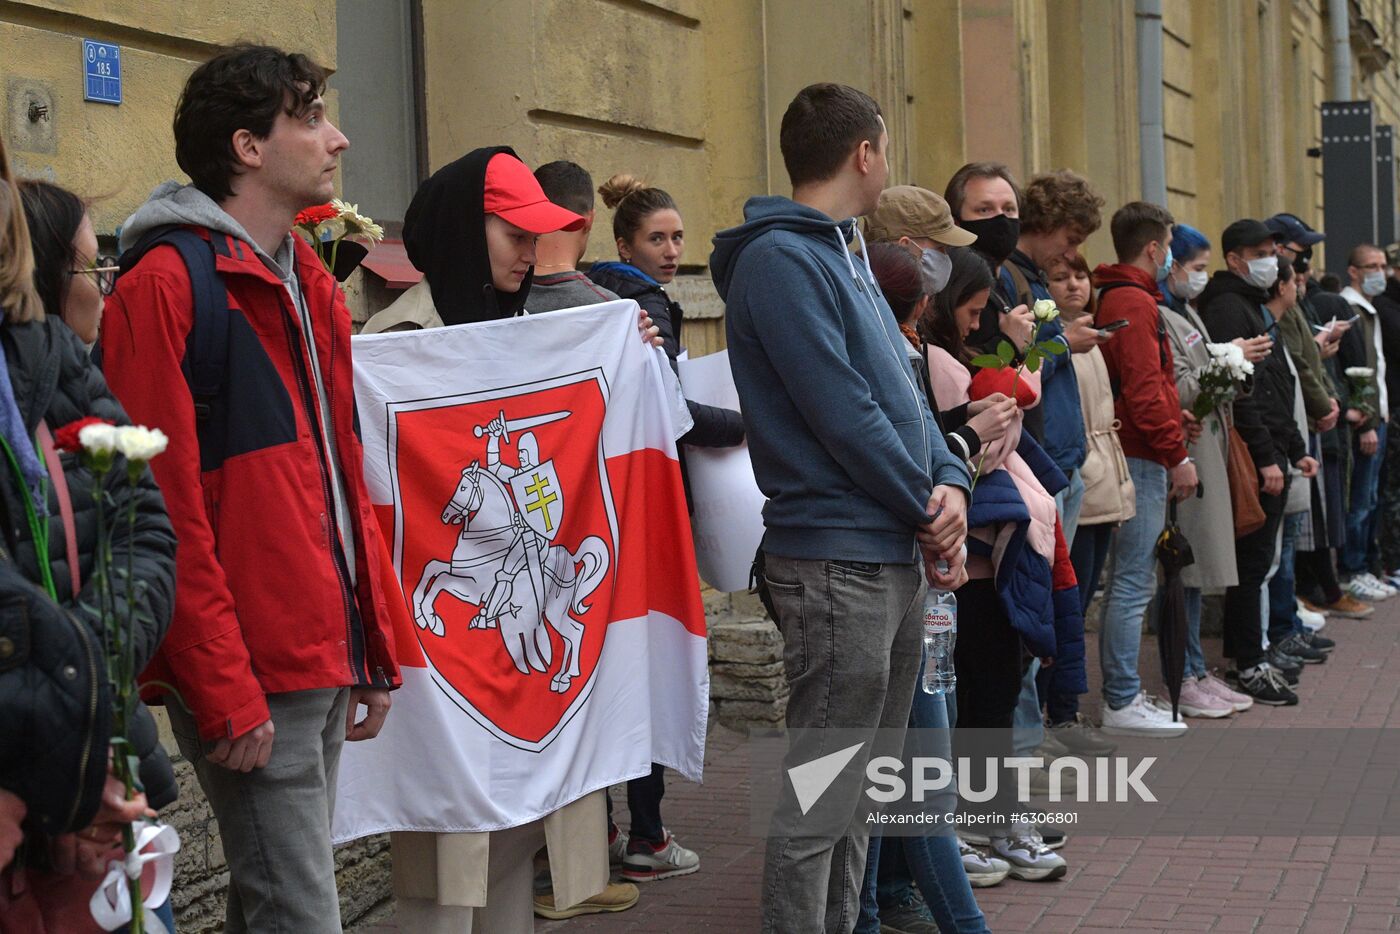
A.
pixel 1174 552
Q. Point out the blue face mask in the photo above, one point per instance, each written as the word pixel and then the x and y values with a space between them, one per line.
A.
pixel 1165 268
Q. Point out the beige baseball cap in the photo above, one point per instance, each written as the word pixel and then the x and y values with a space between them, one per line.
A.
pixel 908 211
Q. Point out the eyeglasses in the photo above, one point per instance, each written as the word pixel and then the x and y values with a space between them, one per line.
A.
pixel 105 268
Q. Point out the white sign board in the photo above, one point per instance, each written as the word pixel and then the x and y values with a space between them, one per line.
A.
pixel 728 518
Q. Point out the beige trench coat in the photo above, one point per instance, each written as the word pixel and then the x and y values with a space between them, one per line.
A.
pixel 1208 521
pixel 1108 488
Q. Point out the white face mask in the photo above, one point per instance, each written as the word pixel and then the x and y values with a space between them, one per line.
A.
pixel 1194 284
pixel 1263 271
pixel 938 267
pixel 1373 283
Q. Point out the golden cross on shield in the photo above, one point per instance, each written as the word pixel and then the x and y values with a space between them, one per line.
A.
pixel 539 488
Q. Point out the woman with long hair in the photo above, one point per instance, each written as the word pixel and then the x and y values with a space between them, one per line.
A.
pixel 992 647
pixel 940 866
pixel 1206 520
pixel 70 276
pixel 1108 490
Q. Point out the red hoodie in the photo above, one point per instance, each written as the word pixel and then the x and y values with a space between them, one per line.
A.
pixel 1140 366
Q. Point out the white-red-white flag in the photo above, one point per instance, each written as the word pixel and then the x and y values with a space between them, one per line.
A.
pixel 525 473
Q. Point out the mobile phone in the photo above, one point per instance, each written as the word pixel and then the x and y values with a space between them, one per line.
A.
pixel 1114 326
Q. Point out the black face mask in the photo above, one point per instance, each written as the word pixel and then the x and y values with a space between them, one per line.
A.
pixel 1302 261
pixel 996 236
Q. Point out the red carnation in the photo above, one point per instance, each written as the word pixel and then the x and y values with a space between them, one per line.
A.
pixel 312 216
pixel 66 438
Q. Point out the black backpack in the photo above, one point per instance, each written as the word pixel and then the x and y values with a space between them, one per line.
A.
pixel 206 355
pixel 1161 327
pixel 207 347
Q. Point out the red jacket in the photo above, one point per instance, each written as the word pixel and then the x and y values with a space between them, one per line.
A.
pixel 262 603
pixel 1139 359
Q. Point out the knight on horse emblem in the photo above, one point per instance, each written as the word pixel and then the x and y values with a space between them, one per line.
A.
pixel 506 560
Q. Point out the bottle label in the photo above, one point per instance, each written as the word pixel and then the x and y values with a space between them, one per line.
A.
pixel 939 619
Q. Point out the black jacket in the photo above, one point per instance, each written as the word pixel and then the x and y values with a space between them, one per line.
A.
pixel 1387 306
pixel 714 427
pixel 1231 307
pixel 54 380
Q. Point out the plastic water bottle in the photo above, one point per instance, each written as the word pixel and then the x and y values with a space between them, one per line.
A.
pixel 940 635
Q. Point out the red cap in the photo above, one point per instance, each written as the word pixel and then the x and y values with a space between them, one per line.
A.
pixel 513 193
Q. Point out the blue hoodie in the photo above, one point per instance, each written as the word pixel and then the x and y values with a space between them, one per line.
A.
pixel 843 443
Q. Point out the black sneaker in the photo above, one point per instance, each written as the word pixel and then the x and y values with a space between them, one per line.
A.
pixel 1286 664
pixel 910 917
pixel 1297 647
pixel 1265 685
pixel 1053 837
pixel 1321 643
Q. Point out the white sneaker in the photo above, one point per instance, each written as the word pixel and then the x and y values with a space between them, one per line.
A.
pixel 1311 618
pixel 1380 587
pixel 1141 718
pixel 617 846
pixel 1026 855
pixel 1361 590
pixel 982 870
pixel 647 862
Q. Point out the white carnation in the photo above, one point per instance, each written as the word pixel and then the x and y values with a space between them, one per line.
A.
pixel 98 439
pixel 138 443
pixel 1355 372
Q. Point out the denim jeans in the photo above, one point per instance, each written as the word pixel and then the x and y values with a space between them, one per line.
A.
pixel 1133 582
pixel 1195 657
pixel 851 655
pixel 165 912
pixel 1283 598
pixel 1361 510
pixel 1089 553
pixel 1069 502
pixel 1028 727
pixel 933 862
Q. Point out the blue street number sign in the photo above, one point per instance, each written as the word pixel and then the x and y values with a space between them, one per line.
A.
pixel 102 72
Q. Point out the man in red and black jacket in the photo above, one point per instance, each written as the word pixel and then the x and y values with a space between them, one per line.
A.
pixel 283 614
pixel 1140 367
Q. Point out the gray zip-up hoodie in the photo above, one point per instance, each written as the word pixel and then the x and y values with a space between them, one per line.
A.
pixel 173 203
pixel 842 439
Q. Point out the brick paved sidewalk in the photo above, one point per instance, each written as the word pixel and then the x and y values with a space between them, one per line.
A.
pixel 1255 884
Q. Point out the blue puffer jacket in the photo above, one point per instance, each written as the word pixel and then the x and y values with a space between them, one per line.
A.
pixel 1041 601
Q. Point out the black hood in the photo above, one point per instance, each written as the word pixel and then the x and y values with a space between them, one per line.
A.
pixel 444 235
pixel 1225 282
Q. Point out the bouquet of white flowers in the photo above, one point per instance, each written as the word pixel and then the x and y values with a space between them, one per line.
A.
pixel 1221 378
pixel 1362 386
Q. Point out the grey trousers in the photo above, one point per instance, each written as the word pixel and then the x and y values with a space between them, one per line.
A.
pixel 851 650
pixel 275 822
